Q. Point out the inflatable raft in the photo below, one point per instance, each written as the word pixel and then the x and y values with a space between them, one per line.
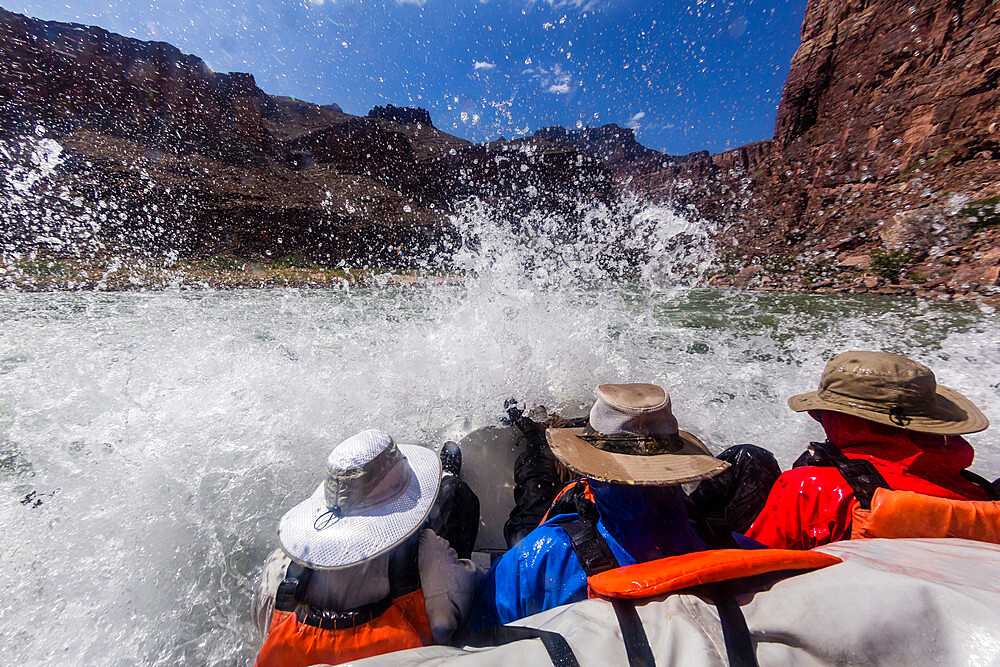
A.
pixel 889 602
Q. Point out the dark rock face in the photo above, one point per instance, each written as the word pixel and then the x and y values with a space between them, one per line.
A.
pixel 402 115
pixel 160 155
pixel 616 147
pixel 76 77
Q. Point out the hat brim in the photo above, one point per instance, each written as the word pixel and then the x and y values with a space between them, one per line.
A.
pixel 691 463
pixel 954 414
pixel 356 538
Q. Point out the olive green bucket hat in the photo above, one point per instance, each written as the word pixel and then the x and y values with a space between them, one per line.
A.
pixel 893 390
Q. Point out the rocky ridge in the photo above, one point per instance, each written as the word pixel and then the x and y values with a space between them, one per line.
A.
pixel 160 155
pixel 884 171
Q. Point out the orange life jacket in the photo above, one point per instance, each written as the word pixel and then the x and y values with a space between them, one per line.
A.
pixel 902 514
pixel 622 585
pixel 300 635
pixel 666 575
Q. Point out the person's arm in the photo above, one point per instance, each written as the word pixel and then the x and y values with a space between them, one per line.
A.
pixel 271 577
pixel 448 583
pixel 807 507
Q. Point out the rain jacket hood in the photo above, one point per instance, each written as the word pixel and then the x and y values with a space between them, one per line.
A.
pixel 908 460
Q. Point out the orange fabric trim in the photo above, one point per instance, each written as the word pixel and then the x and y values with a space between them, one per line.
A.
pixel 588 493
pixel 667 575
pixel 292 644
pixel 900 514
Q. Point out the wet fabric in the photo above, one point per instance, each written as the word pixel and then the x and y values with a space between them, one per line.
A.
pixel 294 643
pixel 455 515
pixel 536 483
pixel 732 499
pixel 810 506
pixel 897 514
pixel 448 585
pixel 542 571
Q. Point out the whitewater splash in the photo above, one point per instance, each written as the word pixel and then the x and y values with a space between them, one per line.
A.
pixel 149 442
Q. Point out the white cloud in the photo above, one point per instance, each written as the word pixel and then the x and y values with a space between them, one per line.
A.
pixel 415 3
pixel 633 122
pixel 477 64
pixel 557 80
pixel 579 5
pixel 315 3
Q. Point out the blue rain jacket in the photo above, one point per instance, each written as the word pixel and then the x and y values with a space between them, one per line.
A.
pixel 542 571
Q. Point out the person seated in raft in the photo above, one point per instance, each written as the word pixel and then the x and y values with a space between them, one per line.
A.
pixel 633 459
pixel 888 411
pixel 355 576
pixel 722 507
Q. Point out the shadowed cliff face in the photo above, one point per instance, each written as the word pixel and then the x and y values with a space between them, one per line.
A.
pixel 159 154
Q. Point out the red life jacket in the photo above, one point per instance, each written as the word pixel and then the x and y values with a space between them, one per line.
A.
pixel 819 502
pixel 300 635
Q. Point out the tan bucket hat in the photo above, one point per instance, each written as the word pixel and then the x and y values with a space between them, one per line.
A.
pixel 633 438
pixel 893 390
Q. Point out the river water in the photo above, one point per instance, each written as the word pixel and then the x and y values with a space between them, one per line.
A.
pixel 149 441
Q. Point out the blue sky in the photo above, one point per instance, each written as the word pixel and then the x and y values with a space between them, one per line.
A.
pixel 688 75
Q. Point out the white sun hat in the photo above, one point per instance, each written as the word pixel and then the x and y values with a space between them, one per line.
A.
pixel 375 495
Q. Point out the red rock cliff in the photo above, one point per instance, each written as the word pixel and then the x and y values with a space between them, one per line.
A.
pixel 887 139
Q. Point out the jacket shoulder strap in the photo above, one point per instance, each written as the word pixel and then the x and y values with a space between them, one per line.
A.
pixel 861 475
pixel 590 548
pixel 595 556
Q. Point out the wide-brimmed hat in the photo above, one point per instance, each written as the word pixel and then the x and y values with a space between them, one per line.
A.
pixel 633 438
pixel 375 495
pixel 893 390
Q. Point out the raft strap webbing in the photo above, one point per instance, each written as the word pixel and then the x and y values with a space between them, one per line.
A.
pixel 595 556
pixel 555 644
pixel 735 633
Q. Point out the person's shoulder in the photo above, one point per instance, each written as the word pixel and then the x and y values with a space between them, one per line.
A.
pixel 545 540
pixel 810 476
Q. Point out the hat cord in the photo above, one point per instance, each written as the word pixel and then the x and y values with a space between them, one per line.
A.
pixel 328 518
pixel 897 415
